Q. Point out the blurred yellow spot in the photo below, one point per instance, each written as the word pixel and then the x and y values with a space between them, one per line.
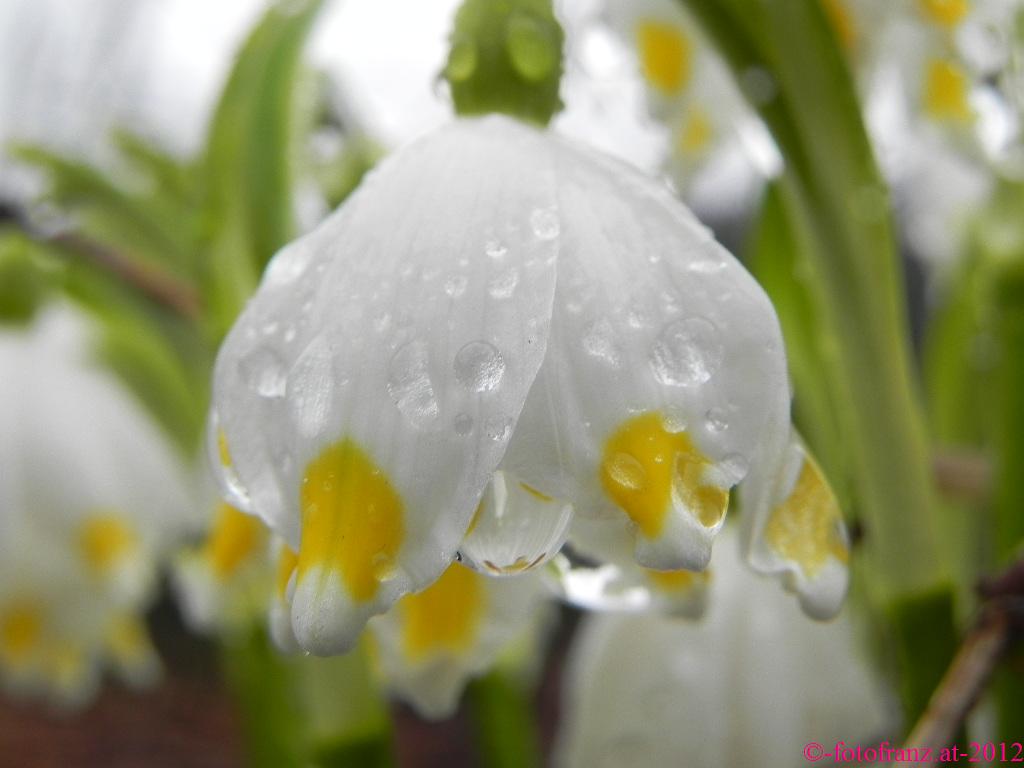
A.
pixel 65 665
pixel 841 19
pixel 286 562
pixel 678 581
pixel 948 13
pixel 351 519
pixel 540 496
pixel 695 133
pixel 21 629
pixel 664 55
pixel 128 640
pixel 646 468
pixel 222 449
pixel 103 540
pixel 445 616
pixel 806 528
pixel 945 91
pixel 234 538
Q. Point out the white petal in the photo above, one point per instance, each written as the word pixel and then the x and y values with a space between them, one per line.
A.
pixel 516 528
pixel 432 643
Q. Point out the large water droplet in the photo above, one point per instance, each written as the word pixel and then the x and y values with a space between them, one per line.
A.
pixel 262 371
pixel 686 353
pixel 599 342
pixel 531 48
pixel 716 420
pixel 455 285
pixel 479 366
pixel 311 388
pixel 504 284
pixel 733 468
pixel 626 471
pixel 409 383
pixel 544 223
pixel 461 61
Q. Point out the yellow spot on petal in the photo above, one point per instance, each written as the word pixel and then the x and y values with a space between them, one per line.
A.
pixel 696 132
pixel 540 496
pixel 678 581
pixel 65 666
pixel 945 91
pixel 841 19
pixel 646 469
pixel 351 519
pixel 286 562
pixel 444 617
pixel 948 13
pixel 234 538
pixel 665 53
pixel 21 629
pixel 128 640
pixel 807 527
pixel 222 449
pixel 104 539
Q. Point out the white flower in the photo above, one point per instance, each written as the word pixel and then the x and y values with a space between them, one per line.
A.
pixel 748 686
pixel 493 300
pixel 90 493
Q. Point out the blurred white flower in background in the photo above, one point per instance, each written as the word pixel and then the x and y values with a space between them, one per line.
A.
pixel 91 498
pixel 750 685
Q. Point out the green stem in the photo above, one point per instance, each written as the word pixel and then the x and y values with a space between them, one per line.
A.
pixel 503 717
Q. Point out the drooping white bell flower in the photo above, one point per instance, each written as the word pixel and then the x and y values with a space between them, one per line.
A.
pixel 90 494
pixel 493 299
pixel 750 685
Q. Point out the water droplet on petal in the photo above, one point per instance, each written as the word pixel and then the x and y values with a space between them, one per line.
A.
pixel 598 341
pixel 544 223
pixel 287 266
pixel 409 383
pixel 311 388
pixel 686 353
pixel 263 372
pixel 504 284
pixel 495 249
pixel 463 424
pixel 479 366
pixel 716 420
pixel 626 471
pixel 706 266
pixel 498 428
pixel 455 285
pixel 733 468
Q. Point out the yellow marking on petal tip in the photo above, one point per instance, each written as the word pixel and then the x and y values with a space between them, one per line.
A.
pixel 948 13
pixel 445 616
pixel 351 519
pixel 234 538
pixel 678 581
pixel 286 562
pixel 539 495
pixel 222 449
pixel 696 132
pixel 665 53
pixel 807 527
pixel 21 629
pixel 646 468
pixel 945 91
pixel 841 19
pixel 104 539
pixel 128 640
pixel 65 665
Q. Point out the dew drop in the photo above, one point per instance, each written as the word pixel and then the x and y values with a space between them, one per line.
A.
pixel 287 266
pixel 311 387
pixel 705 266
pixel 498 428
pixel 686 353
pixel 479 366
pixel 463 424
pixel 270 328
pixel 598 341
pixel 544 223
pixel 289 334
pixel 409 383
pixel 495 250
pixel 263 372
pixel 455 285
pixel 627 472
pixel 715 420
pixel 733 468
pixel 382 322
pixel 504 284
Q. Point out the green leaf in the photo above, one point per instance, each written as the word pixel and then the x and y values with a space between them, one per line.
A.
pixel 249 157
pixel 506 57
pixel 27 276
